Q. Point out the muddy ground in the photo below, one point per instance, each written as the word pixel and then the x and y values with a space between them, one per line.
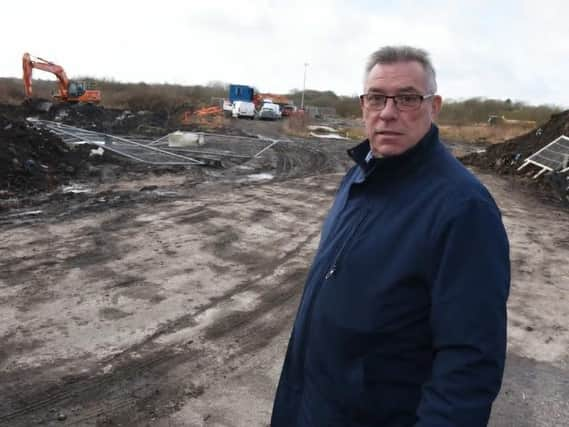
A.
pixel 166 297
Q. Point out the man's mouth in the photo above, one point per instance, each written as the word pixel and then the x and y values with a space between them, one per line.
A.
pixel 388 133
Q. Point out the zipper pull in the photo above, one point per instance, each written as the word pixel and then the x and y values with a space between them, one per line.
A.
pixel 330 272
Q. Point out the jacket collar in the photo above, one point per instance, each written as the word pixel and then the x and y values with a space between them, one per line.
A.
pixel 394 165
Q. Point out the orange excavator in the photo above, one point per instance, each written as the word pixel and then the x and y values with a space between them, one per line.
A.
pixel 69 90
pixel 258 99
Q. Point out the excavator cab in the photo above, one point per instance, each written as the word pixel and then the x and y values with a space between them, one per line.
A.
pixel 75 89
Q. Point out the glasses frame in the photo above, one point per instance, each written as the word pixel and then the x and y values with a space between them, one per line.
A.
pixel 363 100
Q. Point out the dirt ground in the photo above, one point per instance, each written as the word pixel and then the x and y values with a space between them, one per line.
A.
pixel 166 297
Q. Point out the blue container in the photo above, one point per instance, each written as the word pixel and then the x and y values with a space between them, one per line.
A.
pixel 240 93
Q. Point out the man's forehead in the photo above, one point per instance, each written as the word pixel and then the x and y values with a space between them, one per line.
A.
pixel 399 65
pixel 397 76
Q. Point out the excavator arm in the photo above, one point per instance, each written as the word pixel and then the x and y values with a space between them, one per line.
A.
pixel 28 68
pixel 29 63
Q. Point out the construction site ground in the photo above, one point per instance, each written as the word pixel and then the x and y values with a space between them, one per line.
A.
pixel 164 296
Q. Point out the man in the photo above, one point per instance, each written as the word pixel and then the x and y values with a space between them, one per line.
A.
pixel 403 317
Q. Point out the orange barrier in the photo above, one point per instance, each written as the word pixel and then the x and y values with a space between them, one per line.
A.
pixel 191 116
pixel 207 111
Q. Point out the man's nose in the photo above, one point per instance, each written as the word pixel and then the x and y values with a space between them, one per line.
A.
pixel 390 110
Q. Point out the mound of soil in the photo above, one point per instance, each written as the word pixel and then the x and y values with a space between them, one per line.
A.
pixel 505 158
pixel 109 120
pixel 116 121
pixel 89 116
pixel 32 161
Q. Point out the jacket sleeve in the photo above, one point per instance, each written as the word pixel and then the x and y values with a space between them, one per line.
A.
pixel 468 317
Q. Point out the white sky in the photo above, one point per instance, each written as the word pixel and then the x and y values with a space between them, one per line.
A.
pixel 495 49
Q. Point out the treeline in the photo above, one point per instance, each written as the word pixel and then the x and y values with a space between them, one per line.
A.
pixel 473 110
pixel 346 106
pixel 477 110
pixel 143 96
pixel 132 96
pixel 168 97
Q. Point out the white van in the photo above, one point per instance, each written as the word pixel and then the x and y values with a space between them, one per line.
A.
pixel 243 109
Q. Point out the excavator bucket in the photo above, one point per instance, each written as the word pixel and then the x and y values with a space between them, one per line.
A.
pixel 39 105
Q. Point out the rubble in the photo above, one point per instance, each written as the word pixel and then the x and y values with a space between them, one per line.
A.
pixel 33 160
pixel 507 157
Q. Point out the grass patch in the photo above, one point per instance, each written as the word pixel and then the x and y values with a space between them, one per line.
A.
pixel 481 132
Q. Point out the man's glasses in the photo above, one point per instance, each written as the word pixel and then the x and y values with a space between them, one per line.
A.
pixel 407 102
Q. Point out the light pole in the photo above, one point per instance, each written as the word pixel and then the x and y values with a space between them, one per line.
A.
pixel 303 87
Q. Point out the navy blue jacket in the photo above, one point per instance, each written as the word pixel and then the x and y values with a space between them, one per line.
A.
pixel 403 317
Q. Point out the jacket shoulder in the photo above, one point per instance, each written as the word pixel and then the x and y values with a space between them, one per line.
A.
pixel 458 184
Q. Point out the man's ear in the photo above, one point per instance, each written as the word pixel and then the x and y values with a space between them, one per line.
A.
pixel 436 106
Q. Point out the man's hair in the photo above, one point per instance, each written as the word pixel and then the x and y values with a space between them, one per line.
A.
pixel 394 54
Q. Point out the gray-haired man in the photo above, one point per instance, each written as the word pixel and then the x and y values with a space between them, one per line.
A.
pixel 403 317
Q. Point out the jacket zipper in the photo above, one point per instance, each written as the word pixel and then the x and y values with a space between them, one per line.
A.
pixel 330 273
pixel 334 267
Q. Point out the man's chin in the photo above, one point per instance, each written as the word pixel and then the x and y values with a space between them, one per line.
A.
pixel 387 146
pixel 387 150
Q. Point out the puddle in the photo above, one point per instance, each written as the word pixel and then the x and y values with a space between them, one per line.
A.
pixel 19 214
pixel 76 189
pixel 327 135
pixel 260 177
pixel 90 141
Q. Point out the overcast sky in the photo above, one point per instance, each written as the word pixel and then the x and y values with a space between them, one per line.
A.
pixel 494 49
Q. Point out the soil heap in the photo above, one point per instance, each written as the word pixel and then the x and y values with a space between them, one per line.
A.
pixel 33 160
pixel 505 158
pixel 109 120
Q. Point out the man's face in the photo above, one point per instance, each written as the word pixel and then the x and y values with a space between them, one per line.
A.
pixel 390 131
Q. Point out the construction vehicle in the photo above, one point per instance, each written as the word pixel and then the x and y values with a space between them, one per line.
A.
pixel 248 94
pixel 496 120
pixel 240 93
pixel 285 105
pixel 243 109
pixel 69 90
